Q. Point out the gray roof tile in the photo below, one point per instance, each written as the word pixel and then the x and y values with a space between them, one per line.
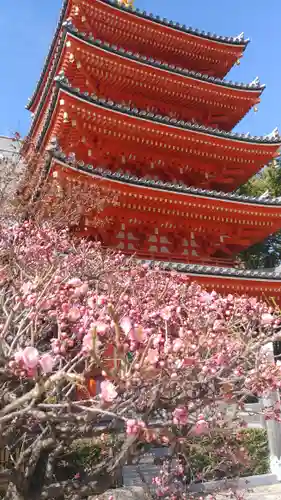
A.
pixel 64 84
pixel 166 186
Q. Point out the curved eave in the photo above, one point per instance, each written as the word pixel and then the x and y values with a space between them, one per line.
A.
pixel 64 87
pixel 174 26
pixel 229 41
pixel 252 91
pixel 217 272
pixel 159 186
pixel 48 59
pixel 149 61
pixel 178 204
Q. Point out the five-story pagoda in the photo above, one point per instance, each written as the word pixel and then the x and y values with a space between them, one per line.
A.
pixel 143 106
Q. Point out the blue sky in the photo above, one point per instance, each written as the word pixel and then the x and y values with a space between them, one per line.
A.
pixel 27 27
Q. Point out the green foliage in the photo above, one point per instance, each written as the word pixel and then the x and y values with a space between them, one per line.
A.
pixel 85 454
pixel 244 455
pixel 208 456
pixel 255 441
pixel 265 254
pixel 269 179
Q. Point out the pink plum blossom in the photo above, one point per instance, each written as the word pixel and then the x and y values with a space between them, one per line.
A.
pixel 205 297
pixel 218 325
pixel 108 391
pixel 135 333
pixel 180 416
pixel 101 300
pixel 46 305
pixel 174 340
pixel 18 356
pixel 74 282
pixel 177 345
pixel 101 328
pixel 26 287
pixel 138 334
pixel 47 363
pixel 74 314
pixel 91 302
pixel 30 357
pixel 133 427
pixel 267 319
pixel 201 426
pixel 88 343
pixel 152 356
pixel 126 325
pixel 81 290
pixel 166 313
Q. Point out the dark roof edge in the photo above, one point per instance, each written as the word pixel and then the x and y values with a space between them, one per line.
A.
pixel 160 185
pixel 137 12
pixel 239 40
pixel 273 138
pixel 255 86
pixel 48 58
pixel 220 272
pixel 69 29
pixel 47 86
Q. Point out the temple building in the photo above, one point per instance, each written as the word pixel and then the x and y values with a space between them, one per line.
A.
pixel 9 149
pixel 139 105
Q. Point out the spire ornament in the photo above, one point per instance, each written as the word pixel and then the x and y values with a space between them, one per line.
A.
pixel 126 3
pixel 274 134
pixel 240 38
pixel 256 82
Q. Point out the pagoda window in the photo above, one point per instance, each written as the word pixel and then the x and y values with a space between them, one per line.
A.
pixel 132 237
pixel 153 249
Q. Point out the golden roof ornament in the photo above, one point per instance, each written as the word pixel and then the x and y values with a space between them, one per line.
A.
pixel 126 3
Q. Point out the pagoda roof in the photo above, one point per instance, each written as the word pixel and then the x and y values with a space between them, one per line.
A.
pixel 166 186
pixel 255 85
pixel 253 283
pixel 242 220
pixel 237 41
pixel 201 270
pixel 224 279
pixel 253 89
pixel 52 47
pixel 176 143
pixel 64 86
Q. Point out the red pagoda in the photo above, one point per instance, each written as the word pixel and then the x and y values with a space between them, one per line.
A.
pixel 142 105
